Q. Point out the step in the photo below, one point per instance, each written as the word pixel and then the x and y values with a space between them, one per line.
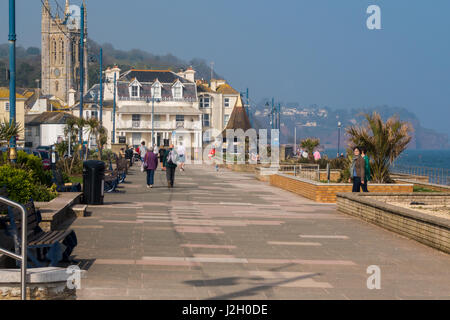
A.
pixel 79 210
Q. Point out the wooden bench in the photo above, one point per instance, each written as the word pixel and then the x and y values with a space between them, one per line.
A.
pixel 49 245
pixel 64 187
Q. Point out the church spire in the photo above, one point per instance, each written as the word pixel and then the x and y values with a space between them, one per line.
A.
pixel 67 10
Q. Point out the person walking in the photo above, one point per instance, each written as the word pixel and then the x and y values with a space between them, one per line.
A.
pixel 357 170
pixel 162 152
pixel 181 150
pixel 150 165
pixel 142 150
pixel 170 163
pixel 366 168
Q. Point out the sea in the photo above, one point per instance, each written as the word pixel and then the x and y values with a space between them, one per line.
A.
pixel 414 158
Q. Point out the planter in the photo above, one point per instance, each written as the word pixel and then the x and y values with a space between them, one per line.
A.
pixel 326 192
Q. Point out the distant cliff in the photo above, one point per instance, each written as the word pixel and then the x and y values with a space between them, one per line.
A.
pixel 321 122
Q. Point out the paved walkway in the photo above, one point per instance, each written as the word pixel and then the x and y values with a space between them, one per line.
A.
pixel 226 235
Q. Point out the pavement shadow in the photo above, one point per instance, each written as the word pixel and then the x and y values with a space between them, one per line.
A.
pixel 258 289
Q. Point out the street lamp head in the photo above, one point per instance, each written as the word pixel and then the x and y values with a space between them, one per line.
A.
pixel 339 124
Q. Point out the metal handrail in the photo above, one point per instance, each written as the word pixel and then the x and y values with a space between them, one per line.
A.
pixel 22 258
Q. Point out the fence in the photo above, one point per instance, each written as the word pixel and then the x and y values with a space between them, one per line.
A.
pixel 307 171
pixel 435 175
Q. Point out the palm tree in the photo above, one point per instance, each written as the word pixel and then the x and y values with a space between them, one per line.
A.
pixel 102 140
pixel 8 131
pixel 384 141
pixel 93 126
pixel 310 144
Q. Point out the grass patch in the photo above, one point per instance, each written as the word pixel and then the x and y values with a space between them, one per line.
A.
pixel 423 189
pixel 76 179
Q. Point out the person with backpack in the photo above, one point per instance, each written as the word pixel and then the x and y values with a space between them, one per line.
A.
pixel 150 165
pixel 170 163
pixel 367 168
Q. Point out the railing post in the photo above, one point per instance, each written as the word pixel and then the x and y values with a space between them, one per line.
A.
pixel 23 256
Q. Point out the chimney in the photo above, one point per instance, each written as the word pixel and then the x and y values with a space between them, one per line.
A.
pixel 190 74
pixel 213 84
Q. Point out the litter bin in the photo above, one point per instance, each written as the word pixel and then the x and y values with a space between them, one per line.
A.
pixel 93 181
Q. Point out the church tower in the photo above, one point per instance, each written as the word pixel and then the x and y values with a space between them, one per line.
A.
pixel 60 61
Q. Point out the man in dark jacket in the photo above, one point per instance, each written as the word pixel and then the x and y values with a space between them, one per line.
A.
pixel 357 170
pixel 170 163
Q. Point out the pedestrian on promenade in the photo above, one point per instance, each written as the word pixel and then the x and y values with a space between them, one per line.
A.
pixel 181 156
pixel 317 155
pixel 150 165
pixel 357 170
pixel 162 152
pixel 142 150
pixel 366 167
pixel 170 162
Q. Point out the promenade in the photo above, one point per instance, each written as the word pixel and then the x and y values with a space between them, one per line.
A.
pixel 225 235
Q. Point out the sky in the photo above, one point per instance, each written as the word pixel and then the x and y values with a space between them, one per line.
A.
pixel 306 51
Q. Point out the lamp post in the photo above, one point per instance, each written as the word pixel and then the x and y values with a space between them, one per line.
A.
pixel 101 87
pixel 113 138
pixel 12 78
pixel 339 137
pixel 81 70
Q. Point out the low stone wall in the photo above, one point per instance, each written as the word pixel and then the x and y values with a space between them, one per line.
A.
pixel 427 229
pixel 42 284
pixel 326 192
pixel 56 213
pixel 431 186
pixel 264 173
pixel 250 168
pixel 404 176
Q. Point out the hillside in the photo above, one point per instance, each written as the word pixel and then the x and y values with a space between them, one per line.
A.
pixel 321 122
pixel 29 63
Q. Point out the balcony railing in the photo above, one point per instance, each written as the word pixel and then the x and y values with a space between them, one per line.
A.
pixel 163 99
pixel 169 125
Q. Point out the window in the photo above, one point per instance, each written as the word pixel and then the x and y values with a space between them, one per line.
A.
pixel 205 101
pixel 225 119
pixel 207 136
pixel 54 51
pixel 29 132
pixel 206 120
pixel 177 90
pixel 62 52
pixel 57 86
pixel 136 119
pixel 158 117
pixel 37 131
pixel 7 106
pixel 226 102
pixel 156 90
pixel 134 91
pixel 179 117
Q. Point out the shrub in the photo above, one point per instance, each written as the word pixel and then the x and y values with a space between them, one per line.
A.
pixel 18 182
pixel 21 185
pixel 34 164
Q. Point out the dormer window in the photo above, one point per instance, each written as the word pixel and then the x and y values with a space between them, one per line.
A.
pixel 177 90
pixel 135 89
pixel 156 90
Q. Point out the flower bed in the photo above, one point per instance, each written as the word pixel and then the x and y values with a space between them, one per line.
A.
pixel 326 192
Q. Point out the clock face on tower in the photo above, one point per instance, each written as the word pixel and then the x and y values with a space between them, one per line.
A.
pixel 56 72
